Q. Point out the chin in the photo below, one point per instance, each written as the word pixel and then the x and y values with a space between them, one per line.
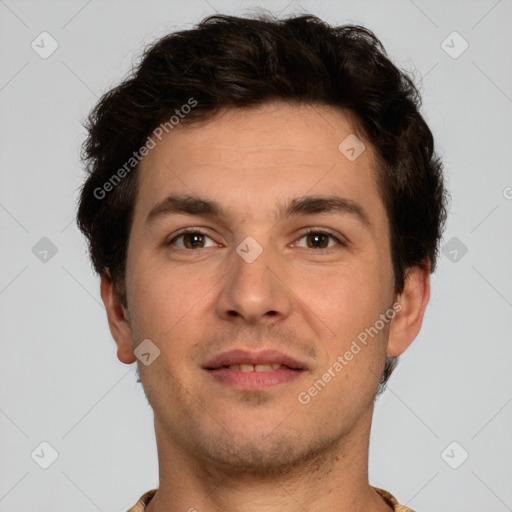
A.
pixel 254 454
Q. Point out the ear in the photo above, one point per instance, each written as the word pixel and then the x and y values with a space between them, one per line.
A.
pixel 406 323
pixel 118 320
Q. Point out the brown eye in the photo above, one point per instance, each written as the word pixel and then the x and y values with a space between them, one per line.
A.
pixel 319 240
pixel 192 240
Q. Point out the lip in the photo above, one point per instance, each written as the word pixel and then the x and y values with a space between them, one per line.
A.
pixel 253 381
pixel 239 356
pixel 218 368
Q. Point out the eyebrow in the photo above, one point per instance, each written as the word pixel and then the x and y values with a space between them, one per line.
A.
pixel 306 205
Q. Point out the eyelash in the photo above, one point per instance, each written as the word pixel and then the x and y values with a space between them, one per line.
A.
pixel 316 231
pixel 321 231
pixel 187 231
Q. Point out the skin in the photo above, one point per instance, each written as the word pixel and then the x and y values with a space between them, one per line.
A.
pixel 222 449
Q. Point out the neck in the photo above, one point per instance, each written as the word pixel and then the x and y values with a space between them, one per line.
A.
pixel 336 479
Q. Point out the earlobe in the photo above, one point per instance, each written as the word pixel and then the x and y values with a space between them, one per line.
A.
pixel 118 320
pixel 408 319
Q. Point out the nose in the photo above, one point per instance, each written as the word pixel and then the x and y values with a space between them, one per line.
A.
pixel 254 291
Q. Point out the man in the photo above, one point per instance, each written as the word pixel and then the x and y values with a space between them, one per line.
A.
pixel 264 207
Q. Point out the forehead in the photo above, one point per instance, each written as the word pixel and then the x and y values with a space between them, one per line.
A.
pixel 254 159
pixel 262 134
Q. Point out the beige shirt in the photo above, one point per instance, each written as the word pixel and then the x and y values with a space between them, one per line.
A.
pixel 140 506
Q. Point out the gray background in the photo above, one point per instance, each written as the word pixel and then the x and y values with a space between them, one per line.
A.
pixel 60 379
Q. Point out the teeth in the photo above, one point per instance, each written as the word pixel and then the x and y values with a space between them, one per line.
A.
pixel 263 367
pixel 253 368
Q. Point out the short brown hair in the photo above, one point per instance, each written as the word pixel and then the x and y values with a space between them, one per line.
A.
pixel 228 61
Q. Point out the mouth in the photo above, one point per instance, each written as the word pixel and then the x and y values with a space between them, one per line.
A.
pixel 261 367
pixel 244 360
pixel 248 371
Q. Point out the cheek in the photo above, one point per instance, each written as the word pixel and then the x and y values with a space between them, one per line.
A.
pixel 349 299
pixel 164 307
pixel 351 305
pixel 162 298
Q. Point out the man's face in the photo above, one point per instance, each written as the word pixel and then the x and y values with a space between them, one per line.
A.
pixel 308 296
